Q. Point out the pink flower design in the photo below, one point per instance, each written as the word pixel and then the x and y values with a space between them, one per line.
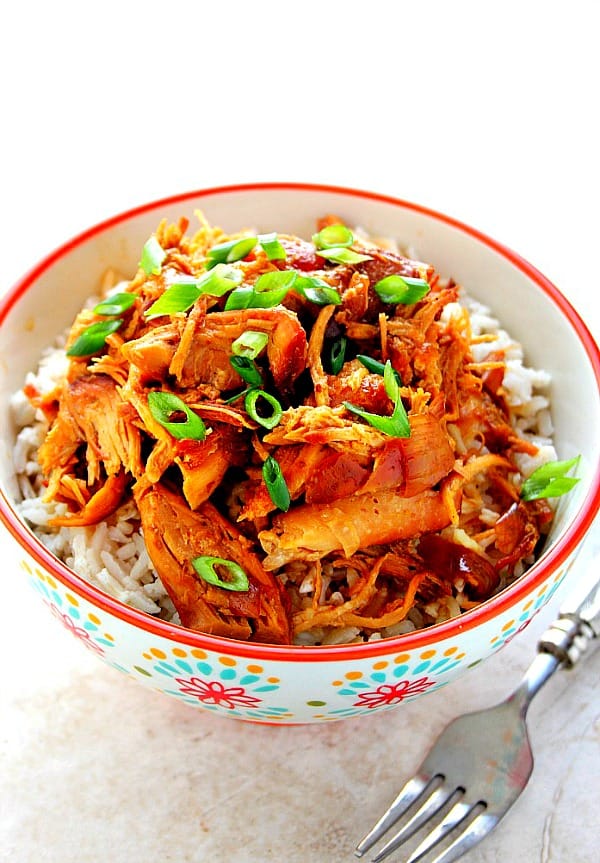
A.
pixel 214 692
pixel 389 693
pixel 77 631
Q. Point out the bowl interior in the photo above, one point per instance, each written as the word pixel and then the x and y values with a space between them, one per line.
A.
pixel 531 309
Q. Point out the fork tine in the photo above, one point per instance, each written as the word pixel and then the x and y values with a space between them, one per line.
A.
pixel 476 830
pixel 432 805
pixel 405 797
pixel 455 816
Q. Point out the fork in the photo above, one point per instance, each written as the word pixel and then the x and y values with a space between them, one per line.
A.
pixel 482 761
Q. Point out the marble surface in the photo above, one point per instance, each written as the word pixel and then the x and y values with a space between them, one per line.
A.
pixel 486 115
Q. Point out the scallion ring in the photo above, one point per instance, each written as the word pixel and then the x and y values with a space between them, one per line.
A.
pixel 250 405
pixel 549 480
pixel 249 344
pixel 343 255
pixel 153 256
pixel 115 304
pixel 169 411
pixel 276 484
pixel 396 425
pixel 233 250
pixel 337 354
pixel 246 369
pixel 93 338
pixel 178 297
pixel 375 366
pixel 181 295
pixel 248 298
pixel 333 236
pixel 401 289
pixel 317 291
pixel 272 247
pixel 205 567
pixel 276 280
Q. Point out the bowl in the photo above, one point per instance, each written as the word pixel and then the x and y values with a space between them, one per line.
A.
pixel 285 685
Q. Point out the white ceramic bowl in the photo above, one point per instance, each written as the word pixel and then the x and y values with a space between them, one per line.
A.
pixel 295 684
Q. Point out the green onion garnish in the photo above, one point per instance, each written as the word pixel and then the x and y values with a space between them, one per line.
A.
pixel 236 577
pixel 250 401
pixel 337 354
pixel 175 416
pixel 276 280
pixel 317 291
pixel 342 255
pixel 249 344
pixel 276 484
pixel 177 298
pixel 115 304
pixel 375 366
pixel 246 369
pixel 227 253
pixel 401 289
pixel 397 424
pixel 181 296
pixel 248 298
pixel 93 338
pixel 333 236
pixel 272 247
pixel 549 480
pixel 153 255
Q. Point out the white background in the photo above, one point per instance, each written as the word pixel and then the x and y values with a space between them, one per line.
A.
pixel 485 111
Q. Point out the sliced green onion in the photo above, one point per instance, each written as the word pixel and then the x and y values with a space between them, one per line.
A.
pixel 166 409
pixel 375 366
pixel 276 484
pixel 177 298
pixel 272 247
pixel 93 338
pixel 342 255
pixel 276 280
pixel 236 577
pixel 397 424
pixel 115 304
pixel 153 255
pixel 333 237
pixel 549 480
pixel 246 369
pixel 239 298
pixel 237 396
pixel 250 401
pixel 249 344
pixel 181 295
pixel 337 354
pixel 248 298
pixel 317 291
pixel 227 253
pixel 401 289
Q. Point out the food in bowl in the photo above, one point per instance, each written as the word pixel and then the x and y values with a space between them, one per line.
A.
pixel 288 440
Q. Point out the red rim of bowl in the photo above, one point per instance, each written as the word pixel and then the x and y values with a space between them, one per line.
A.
pixel 552 559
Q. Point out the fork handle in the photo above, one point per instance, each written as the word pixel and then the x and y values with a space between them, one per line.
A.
pixel 577 625
pixel 563 643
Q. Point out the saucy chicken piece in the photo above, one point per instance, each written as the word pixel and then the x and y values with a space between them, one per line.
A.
pixel 174 536
pixel 207 360
pixel 91 413
pixel 311 531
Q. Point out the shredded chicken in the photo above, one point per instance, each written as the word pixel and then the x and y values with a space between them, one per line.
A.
pixel 374 521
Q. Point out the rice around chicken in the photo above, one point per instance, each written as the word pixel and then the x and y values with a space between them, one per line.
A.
pixel 284 440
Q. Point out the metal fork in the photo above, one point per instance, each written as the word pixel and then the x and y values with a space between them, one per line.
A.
pixel 482 761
